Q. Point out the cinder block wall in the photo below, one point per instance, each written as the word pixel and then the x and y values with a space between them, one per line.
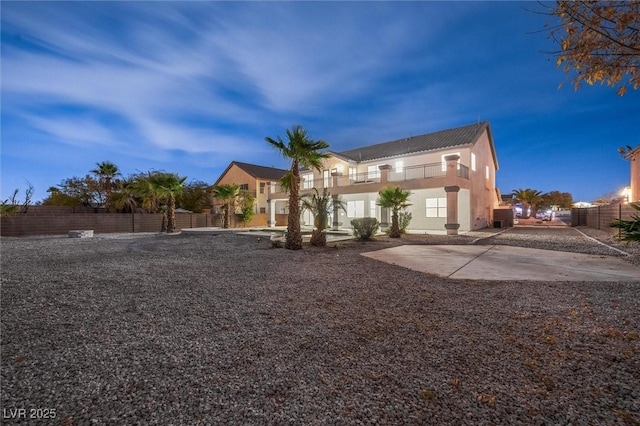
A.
pixel 59 221
pixel 600 217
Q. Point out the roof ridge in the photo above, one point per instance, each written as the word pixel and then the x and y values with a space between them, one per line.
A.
pixel 441 139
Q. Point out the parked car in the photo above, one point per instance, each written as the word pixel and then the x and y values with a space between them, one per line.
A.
pixel 544 214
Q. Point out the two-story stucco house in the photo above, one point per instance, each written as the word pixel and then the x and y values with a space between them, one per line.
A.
pixel 254 179
pixel 450 173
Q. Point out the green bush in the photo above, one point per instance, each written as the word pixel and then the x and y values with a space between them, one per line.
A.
pixel 629 229
pixel 365 228
pixel 404 218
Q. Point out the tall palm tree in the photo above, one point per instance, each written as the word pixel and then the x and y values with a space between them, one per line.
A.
pixel 106 172
pixel 394 198
pixel 529 198
pixel 302 151
pixel 320 206
pixel 227 193
pixel 166 186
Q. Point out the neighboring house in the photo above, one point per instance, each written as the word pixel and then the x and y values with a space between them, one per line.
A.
pixel 634 158
pixel 253 179
pixel 450 173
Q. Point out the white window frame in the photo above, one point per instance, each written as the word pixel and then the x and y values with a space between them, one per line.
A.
pixel 355 209
pixel 473 162
pixel 399 167
pixel 373 208
pixel 486 172
pixel 307 181
pixel 353 174
pixel 436 207
pixel 373 172
pixel 326 178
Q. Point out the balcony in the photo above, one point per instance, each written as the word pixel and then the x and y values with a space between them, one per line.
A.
pixel 411 173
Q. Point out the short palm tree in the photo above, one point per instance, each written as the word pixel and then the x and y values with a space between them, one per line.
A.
pixel 126 198
pixel 629 229
pixel 106 172
pixel 396 199
pixel 227 193
pixel 166 186
pixel 320 206
pixel 304 152
pixel 529 198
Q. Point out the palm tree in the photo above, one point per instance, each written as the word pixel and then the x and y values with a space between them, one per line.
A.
pixel 227 193
pixel 320 207
pixel 126 199
pixel 394 198
pixel 305 152
pixel 166 186
pixel 106 173
pixel 529 198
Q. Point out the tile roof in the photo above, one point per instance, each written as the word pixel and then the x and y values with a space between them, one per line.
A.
pixel 465 135
pixel 261 172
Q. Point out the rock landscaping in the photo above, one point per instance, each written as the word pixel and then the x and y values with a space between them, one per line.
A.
pixel 226 329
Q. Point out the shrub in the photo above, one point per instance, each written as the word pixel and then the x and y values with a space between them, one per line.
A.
pixel 629 229
pixel 404 218
pixel 365 228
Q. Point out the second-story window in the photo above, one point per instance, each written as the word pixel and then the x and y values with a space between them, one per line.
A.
pixel 307 181
pixel 373 172
pixel 244 187
pixel 262 187
pixel 325 177
pixel 353 174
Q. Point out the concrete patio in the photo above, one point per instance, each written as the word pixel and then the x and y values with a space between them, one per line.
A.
pixel 507 263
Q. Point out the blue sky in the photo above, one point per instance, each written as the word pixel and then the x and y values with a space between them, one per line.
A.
pixel 188 87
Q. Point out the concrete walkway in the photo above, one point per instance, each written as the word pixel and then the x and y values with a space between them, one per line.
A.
pixel 506 263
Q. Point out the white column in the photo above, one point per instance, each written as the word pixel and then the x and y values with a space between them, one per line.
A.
pixel 272 213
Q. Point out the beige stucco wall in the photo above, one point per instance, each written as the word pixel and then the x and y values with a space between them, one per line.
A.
pixel 483 194
pixel 235 175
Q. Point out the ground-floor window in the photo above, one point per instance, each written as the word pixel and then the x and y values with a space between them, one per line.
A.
pixel 263 210
pixel 372 208
pixel 436 207
pixel 355 208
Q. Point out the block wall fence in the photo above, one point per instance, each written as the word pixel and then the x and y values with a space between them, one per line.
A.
pixel 601 216
pixel 61 220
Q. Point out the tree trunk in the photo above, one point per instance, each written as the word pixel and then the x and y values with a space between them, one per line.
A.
pixel 395 225
pixel 318 238
pixel 171 214
pixel 294 237
pixel 227 216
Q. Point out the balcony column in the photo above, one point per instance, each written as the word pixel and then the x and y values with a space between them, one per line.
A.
pixel 452 168
pixel 384 173
pixel 452 190
pixel 272 213
pixel 336 213
pixel 452 224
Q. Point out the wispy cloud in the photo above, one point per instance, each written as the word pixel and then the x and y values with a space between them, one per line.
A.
pixel 201 83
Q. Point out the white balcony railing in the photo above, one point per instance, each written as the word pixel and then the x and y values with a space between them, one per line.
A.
pixel 422 171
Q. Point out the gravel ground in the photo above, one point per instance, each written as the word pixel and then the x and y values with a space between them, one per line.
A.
pixel 201 329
